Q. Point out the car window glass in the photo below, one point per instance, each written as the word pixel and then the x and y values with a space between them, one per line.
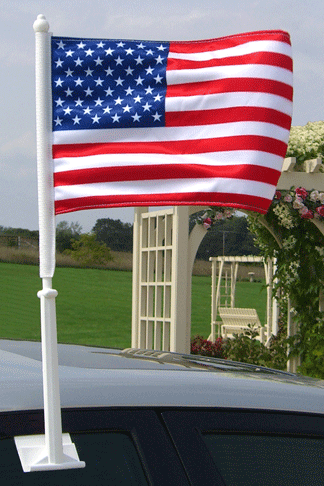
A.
pixel 267 460
pixel 111 458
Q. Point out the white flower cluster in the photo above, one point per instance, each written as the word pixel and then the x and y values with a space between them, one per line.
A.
pixel 306 142
pixel 284 216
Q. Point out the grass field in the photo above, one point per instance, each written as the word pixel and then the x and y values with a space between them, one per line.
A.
pixel 94 306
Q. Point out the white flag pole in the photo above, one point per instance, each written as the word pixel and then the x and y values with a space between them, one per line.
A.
pixel 53 450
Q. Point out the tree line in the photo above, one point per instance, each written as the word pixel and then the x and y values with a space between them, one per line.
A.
pixel 226 237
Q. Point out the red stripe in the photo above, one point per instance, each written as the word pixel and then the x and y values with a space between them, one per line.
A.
pixel 264 58
pixel 232 85
pixel 242 142
pixel 162 172
pixel 230 41
pixel 227 115
pixel 240 201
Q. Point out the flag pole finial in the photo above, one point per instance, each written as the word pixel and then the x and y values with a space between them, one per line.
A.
pixel 41 24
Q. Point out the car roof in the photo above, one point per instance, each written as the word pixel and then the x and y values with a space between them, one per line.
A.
pixel 99 377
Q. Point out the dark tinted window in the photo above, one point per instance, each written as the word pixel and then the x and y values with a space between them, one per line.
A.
pixel 265 460
pixel 111 459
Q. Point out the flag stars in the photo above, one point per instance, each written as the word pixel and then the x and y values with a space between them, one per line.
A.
pixel 88 91
pixel 76 120
pixel 59 102
pixel 58 121
pixel 78 102
pixel 78 82
pixel 98 82
pixel 98 61
pixel 58 82
pixel 156 117
pixel 109 51
pixel 89 52
pixel 96 119
pixel 119 81
pixel 115 118
pixel 78 62
pixel 69 53
pixel 136 117
pixel 158 79
pixel 89 72
pixel 119 61
pixel 101 45
pixel 68 72
pixel 68 92
pixel 109 91
pixel 60 45
pixel 67 111
pixel 159 60
pixel 81 45
pixel 109 71
pixel 59 63
pixel 87 111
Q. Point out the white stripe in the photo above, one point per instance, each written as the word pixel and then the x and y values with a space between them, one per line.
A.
pixel 238 157
pixel 257 71
pixel 128 188
pixel 162 134
pixel 228 100
pixel 240 50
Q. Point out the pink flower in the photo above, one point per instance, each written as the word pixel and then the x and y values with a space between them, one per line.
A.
pixel 308 215
pixel 301 192
pixel 298 203
pixel 320 210
pixel 278 195
pixel 207 223
pixel 288 198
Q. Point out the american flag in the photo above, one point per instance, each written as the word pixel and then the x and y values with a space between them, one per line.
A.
pixel 142 123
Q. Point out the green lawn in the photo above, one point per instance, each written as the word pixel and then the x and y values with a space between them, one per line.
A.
pixel 94 306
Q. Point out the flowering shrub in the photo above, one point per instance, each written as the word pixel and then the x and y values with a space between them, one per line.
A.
pixel 306 142
pixel 297 203
pixel 214 214
pixel 202 346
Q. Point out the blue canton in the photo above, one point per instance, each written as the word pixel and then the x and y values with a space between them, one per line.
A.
pixel 98 84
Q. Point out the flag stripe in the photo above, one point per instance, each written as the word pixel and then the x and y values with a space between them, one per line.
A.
pixel 237 85
pixel 234 41
pixel 243 142
pixel 168 171
pixel 279 60
pixel 227 115
pixel 219 159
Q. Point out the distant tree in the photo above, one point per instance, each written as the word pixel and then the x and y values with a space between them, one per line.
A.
pixel 66 234
pixel 88 251
pixel 118 236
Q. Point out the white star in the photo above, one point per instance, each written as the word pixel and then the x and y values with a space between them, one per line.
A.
pixel 81 45
pixel 109 71
pixel 118 101
pixel 58 121
pixel 129 91
pixel 109 51
pixel 89 52
pixel 78 62
pixel 158 97
pixel 139 60
pixel 78 82
pixel 78 102
pixel 129 71
pixel 120 44
pixel 149 52
pixel 98 82
pixel 98 102
pixel 159 59
pixel 126 108
pixel 59 102
pixel 88 91
pixel 96 119
pixel 100 45
pixel 146 107
pixel 58 82
pixel 69 53
pixel 140 46
pixel 87 110
pixel 107 109
pixel 139 80
pixel 129 51
pixel 156 117
pixel 67 111
pixel 109 91
pixel 161 48
pixel 136 117
pixel 119 81
pixel 98 61
pixel 149 90
pixel 138 99
pixel 119 61
pixel 89 72
pixel 59 63
pixel 149 70
pixel 60 45
pixel 69 72
pixel 69 92
pixel 76 120
pixel 115 118
pixel 158 79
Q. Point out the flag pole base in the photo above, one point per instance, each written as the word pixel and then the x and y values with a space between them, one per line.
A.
pixel 34 456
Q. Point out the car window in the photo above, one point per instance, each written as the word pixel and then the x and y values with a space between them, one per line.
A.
pixel 267 460
pixel 111 459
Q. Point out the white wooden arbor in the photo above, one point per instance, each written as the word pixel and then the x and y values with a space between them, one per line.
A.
pixel 163 259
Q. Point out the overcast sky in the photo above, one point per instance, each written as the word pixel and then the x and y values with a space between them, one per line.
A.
pixel 131 19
